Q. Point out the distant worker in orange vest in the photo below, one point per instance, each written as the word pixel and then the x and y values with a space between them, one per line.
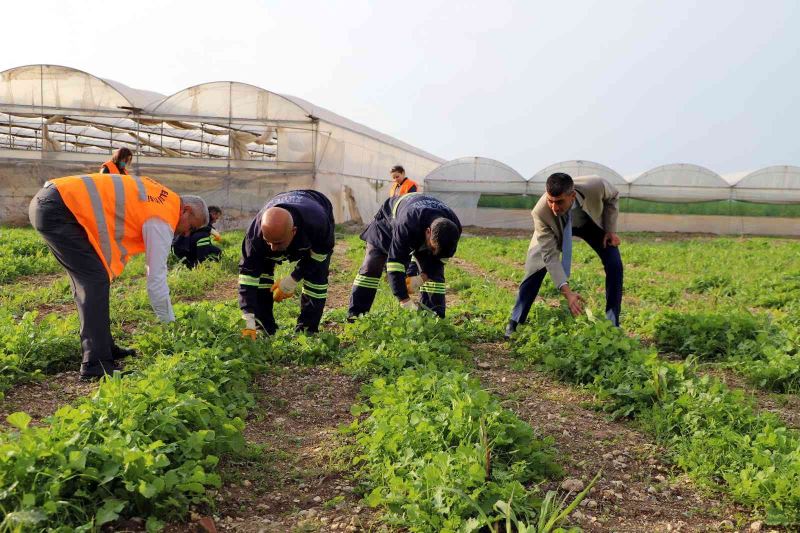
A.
pixel 93 224
pixel 118 163
pixel 402 185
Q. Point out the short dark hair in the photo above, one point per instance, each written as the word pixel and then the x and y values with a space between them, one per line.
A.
pixel 214 209
pixel 444 237
pixel 559 183
pixel 398 168
pixel 122 154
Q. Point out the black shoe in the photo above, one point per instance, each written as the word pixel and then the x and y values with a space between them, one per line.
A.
pixel 351 319
pixel 98 369
pixel 121 353
pixel 510 329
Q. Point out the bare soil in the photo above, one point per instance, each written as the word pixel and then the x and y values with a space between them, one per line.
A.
pixel 638 490
pixel 42 399
pixel 291 478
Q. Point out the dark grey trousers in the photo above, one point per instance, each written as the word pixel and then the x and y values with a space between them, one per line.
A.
pixel 69 243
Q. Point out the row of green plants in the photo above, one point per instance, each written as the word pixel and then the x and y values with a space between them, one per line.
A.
pixel 145 444
pixel 707 317
pixel 30 347
pixel 713 433
pixel 762 349
pixel 434 449
pixel 23 253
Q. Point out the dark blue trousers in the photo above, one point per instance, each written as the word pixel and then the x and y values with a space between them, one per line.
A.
pixel 612 263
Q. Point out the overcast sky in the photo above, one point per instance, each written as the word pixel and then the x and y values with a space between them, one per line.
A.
pixel 630 84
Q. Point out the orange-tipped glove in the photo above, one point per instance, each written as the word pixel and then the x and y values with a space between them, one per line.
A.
pixel 249 331
pixel 216 235
pixel 413 283
pixel 284 289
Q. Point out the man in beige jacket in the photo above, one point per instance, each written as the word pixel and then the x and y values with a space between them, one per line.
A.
pixel 587 208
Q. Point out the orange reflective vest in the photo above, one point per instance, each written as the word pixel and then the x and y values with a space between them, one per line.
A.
pixel 406 186
pixel 113 209
pixel 112 168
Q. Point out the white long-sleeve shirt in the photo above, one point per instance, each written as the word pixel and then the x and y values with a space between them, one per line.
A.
pixel 158 243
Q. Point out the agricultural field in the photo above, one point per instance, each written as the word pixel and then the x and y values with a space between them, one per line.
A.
pixel 685 419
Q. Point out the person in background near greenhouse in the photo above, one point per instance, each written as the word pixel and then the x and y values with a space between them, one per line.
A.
pixel 293 226
pixel 93 225
pixel 405 225
pixel 118 162
pixel 402 185
pixel 587 208
pixel 197 247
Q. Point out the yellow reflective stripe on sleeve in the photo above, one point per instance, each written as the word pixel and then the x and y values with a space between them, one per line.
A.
pixel 402 199
pixel 444 259
pixel 313 294
pixel 204 242
pixel 395 267
pixel 318 257
pixel 248 280
pixel 315 286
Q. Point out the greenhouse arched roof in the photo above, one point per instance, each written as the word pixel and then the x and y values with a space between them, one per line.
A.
pixel 479 174
pixel 680 182
pixel 230 100
pixel 779 183
pixel 578 167
pixel 59 87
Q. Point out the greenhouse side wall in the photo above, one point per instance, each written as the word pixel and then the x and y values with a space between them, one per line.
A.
pixel 241 192
pixel 488 217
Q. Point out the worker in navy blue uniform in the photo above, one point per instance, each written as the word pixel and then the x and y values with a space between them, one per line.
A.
pixel 293 226
pixel 197 247
pixel 410 224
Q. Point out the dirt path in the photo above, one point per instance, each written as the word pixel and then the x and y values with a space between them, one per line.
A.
pixel 340 277
pixel 42 399
pixel 637 490
pixel 291 479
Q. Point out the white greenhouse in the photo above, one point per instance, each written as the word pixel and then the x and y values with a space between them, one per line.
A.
pixel 233 143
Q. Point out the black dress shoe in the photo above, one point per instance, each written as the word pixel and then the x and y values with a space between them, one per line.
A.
pixel 121 353
pixel 510 329
pixel 98 369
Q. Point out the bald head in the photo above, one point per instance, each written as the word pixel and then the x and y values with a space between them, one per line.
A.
pixel 277 228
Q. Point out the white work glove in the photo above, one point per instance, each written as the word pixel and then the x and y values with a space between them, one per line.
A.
pixel 249 320
pixel 288 285
pixel 413 283
pixel 409 305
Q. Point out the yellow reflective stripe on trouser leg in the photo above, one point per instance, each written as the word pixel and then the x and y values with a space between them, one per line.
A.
pixel 315 286
pixel 433 287
pixel 315 294
pixel 395 267
pixel 366 281
pixel 318 257
pixel 250 281
pixel 266 282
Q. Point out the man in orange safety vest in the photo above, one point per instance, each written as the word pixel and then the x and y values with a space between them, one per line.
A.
pixel 94 224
